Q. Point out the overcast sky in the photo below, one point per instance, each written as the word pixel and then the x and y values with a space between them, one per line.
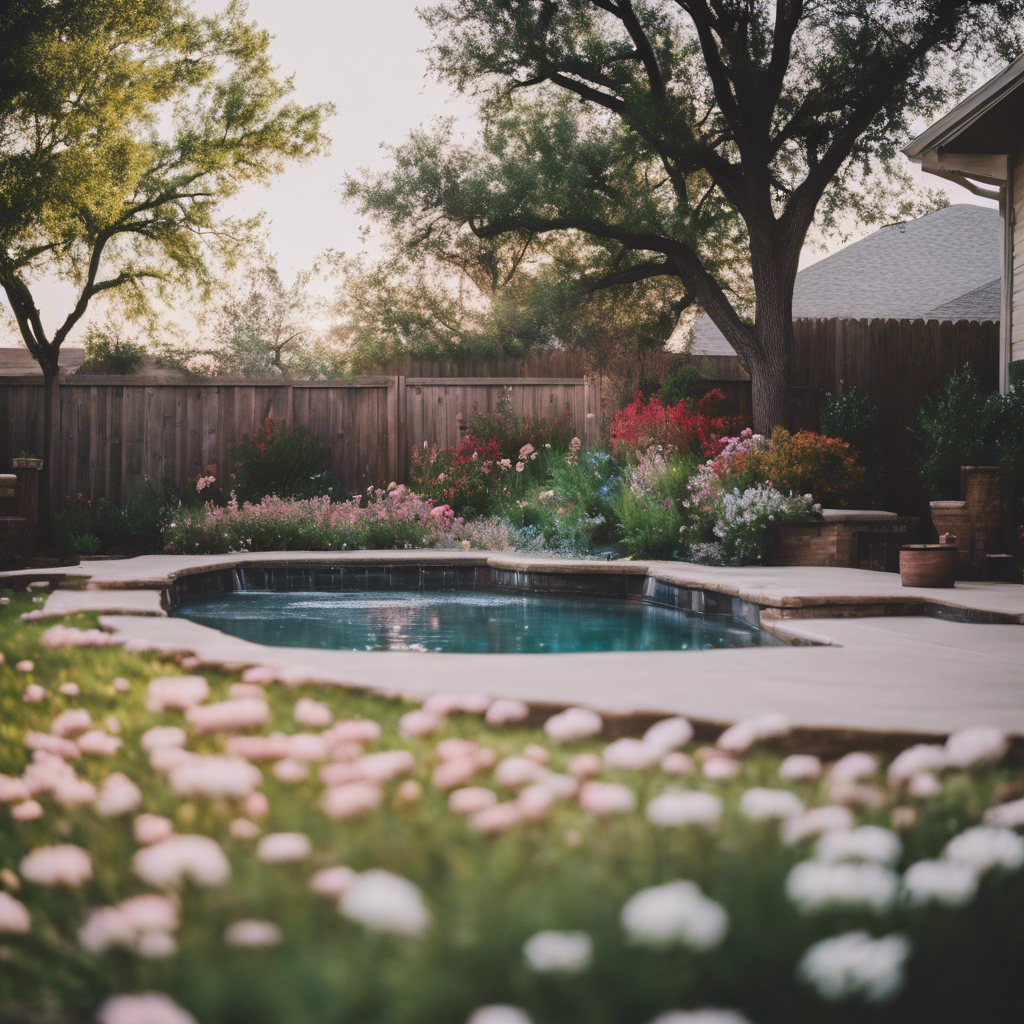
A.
pixel 366 57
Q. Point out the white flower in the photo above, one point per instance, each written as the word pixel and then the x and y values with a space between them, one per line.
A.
pixel 684 807
pixel 176 693
pixel 559 952
pixel 924 786
pixel 57 865
pixel 505 712
pixel 332 882
pixel 922 757
pixel 169 862
pixel 284 848
pixel 628 754
pixel 674 913
pixel 385 902
pixel 1008 815
pixel 853 767
pixel 215 776
pixel 606 798
pixel 573 724
pixel 855 964
pixel 939 881
pixel 743 735
pixel 759 804
pixel 669 734
pixel 868 842
pixel 516 771
pixel 14 916
pixel 354 800
pixel 979 746
pixel 418 723
pixel 118 795
pixel 144 1008
pixel 815 885
pixel 71 722
pixel 252 933
pixel 498 1013
pixel 800 768
pixel 151 828
pixel 983 847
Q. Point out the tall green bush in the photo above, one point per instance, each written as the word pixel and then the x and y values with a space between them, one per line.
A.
pixel 290 463
pixel 854 418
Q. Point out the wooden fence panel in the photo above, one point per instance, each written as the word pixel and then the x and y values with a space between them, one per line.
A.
pixel 116 431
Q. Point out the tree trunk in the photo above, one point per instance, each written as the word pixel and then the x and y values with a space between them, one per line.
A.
pixel 769 390
pixel 48 481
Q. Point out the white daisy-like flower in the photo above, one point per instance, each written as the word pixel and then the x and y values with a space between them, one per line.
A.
pixel 815 886
pixel 922 757
pixel 816 822
pixel 982 745
pixel 1008 815
pixel 676 913
pixel 253 934
pixel 143 1008
pixel 983 847
pixel 855 964
pixel 573 724
pixel 868 842
pixel 939 881
pixel 385 902
pixel 169 862
pixel 760 804
pixel 669 734
pixel 800 768
pixel 553 952
pixel 629 754
pixel 675 808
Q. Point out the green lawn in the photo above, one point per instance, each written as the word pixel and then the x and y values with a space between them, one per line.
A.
pixel 487 896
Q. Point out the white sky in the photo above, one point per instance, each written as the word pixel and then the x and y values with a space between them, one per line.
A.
pixel 366 57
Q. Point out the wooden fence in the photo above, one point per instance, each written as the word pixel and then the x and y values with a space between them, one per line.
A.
pixel 115 432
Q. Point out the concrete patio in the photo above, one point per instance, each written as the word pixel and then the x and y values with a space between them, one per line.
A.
pixel 884 659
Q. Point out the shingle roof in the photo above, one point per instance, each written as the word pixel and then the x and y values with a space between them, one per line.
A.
pixel 945 265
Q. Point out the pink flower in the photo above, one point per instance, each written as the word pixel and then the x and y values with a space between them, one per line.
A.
pixel 57 865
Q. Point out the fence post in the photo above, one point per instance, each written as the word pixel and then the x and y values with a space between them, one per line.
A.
pixel 393 428
pixel 401 430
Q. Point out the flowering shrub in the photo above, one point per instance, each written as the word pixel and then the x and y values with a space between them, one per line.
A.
pixel 807 462
pixel 690 428
pixel 649 505
pixel 746 524
pixel 511 433
pixel 392 518
pixel 469 478
pixel 287 463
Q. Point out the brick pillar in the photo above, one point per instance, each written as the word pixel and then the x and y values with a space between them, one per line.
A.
pixel 983 494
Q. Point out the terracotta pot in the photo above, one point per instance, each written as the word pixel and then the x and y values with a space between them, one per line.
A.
pixel 929 565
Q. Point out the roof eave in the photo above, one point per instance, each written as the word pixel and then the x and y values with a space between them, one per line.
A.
pixel 963 115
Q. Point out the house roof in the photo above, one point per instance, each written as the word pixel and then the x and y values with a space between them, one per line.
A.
pixel 945 265
pixel 978 124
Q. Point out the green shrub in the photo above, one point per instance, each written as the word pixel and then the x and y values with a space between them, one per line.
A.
pixel 84 544
pixel 511 432
pixel 287 463
pixel 106 352
pixel 683 382
pixel 958 426
pixel 649 506
pixel 854 418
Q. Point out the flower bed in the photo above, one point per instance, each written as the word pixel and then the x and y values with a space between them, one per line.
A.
pixel 182 848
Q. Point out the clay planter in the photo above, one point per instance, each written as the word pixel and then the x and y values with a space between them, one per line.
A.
pixel 26 463
pixel 929 565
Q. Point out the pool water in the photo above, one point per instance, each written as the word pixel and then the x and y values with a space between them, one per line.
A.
pixel 462 622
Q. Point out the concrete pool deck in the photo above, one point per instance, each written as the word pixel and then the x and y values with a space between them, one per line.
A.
pixel 887 661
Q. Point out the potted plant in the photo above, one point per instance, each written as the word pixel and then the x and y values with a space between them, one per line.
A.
pixel 26 460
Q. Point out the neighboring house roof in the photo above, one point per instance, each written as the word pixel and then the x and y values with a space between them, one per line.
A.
pixel 945 265
pixel 18 362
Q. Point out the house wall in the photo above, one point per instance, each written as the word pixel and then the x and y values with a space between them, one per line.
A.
pixel 1017 282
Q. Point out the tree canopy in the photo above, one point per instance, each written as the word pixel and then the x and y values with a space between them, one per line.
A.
pixel 659 128
pixel 124 125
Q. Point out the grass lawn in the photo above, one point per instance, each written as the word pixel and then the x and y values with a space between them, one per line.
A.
pixel 486 895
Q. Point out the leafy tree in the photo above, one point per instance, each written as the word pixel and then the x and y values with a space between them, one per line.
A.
pixel 258 335
pixel 442 291
pixel 693 111
pixel 124 125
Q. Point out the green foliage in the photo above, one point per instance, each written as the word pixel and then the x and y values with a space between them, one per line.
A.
pixel 107 352
pixel 957 426
pixel 512 432
pixel 649 505
pixel 854 418
pixel 683 382
pixel 130 529
pixel 288 463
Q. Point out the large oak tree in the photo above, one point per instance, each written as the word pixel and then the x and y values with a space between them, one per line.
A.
pixel 779 113
pixel 124 127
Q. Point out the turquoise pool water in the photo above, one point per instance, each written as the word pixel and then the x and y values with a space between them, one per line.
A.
pixel 462 622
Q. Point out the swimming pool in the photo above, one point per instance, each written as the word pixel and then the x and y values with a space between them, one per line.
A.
pixel 476 621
